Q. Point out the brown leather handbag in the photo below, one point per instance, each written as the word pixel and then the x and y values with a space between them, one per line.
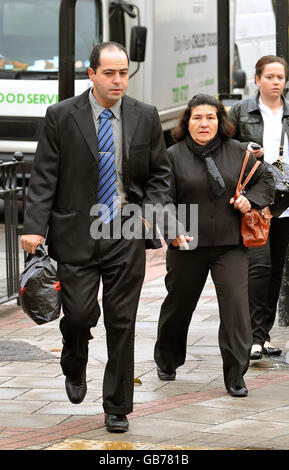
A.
pixel 255 224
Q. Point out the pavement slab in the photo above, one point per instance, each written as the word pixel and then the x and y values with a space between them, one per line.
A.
pixel 194 412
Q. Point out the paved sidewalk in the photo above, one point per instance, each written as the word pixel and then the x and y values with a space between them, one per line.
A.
pixel 193 412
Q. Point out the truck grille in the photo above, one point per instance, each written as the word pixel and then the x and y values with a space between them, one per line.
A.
pixel 12 128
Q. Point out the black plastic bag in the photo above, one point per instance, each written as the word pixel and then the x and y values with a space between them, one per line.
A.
pixel 40 291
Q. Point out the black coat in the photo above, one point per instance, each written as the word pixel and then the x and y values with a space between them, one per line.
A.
pixel 63 185
pixel 248 121
pixel 218 221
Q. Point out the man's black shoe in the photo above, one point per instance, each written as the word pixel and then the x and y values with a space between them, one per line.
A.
pixel 165 376
pixel 76 389
pixel 116 423
pixel 238 391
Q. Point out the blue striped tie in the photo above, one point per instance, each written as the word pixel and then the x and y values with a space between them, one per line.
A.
pixel 106 188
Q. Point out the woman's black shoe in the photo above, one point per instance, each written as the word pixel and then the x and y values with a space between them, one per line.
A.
pixel 116 423
pixel 238 391
pixel 76 389
pixel 256 355
pixel 165 376
pixel 272 351
pixel 256 352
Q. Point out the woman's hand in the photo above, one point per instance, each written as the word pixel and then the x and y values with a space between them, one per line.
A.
pixel 241 203
pixel 256 153
pixel 182 240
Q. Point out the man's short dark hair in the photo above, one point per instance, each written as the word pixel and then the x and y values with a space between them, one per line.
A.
pixel 97 50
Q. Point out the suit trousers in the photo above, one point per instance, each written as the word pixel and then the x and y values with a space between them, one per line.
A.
pixel 187 272
pixel 266 264
pixel 120 264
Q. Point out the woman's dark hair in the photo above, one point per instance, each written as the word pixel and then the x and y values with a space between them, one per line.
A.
pixel 225 128
pixel 97 50
pixel 269 59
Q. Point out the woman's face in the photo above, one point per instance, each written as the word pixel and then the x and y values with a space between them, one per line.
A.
pixel 203 123
pixel 272 80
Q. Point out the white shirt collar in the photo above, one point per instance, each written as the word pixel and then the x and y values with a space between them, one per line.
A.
pixel 264 108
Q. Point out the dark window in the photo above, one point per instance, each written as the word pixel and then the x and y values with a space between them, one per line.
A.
pixel 29 34
pixel 116 26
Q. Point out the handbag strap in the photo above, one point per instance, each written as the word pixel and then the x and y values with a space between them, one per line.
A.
pixel 281 148
pixel 240 187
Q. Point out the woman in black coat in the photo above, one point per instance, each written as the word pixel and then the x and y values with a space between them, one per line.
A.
pixel 205 166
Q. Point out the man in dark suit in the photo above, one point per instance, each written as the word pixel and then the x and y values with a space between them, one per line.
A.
pixel 93 148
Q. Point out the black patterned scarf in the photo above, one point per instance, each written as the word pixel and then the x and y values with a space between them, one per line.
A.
pixel 206 154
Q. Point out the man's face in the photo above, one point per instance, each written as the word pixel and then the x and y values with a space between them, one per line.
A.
pixel 110 80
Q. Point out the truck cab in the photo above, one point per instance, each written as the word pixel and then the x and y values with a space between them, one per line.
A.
pixel 29 63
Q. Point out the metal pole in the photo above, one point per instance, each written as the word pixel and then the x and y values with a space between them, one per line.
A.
pixel 282 28
pixel 66 49
pixel 282 51
pixel 9 189
pixel 223 46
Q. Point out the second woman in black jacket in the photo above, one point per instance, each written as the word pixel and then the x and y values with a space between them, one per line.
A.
pixel 206 165
pixel 260 119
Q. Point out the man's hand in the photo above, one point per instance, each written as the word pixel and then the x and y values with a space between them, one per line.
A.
pixel 29 243
pixel 182 240
pixel 241 203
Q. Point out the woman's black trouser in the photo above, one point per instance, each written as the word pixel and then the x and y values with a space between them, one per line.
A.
pixel 187 272
pixel 266 266
pixel 120 264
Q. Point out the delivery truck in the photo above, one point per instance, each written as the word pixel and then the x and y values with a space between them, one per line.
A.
pixel 180 57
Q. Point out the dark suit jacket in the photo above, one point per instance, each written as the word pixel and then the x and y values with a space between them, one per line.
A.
pixel 63 184
pixel 218 221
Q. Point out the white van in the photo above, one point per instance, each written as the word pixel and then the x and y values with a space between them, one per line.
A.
pixel 254 35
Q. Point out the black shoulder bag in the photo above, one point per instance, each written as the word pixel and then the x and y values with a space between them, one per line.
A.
pixel 280 172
